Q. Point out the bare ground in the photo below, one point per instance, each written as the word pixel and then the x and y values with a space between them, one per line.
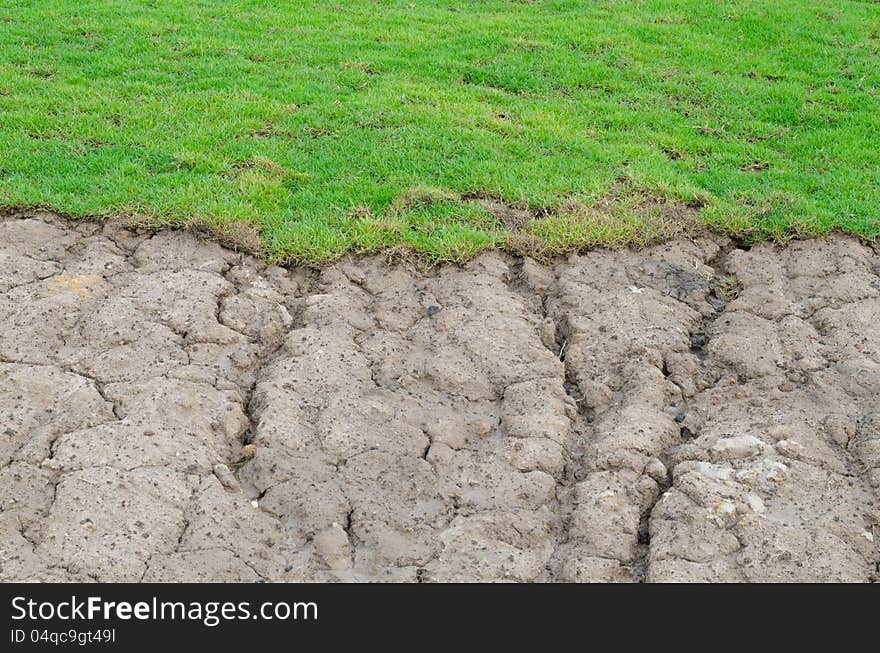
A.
pixel 171 410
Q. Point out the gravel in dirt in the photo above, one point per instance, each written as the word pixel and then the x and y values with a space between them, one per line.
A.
pixel 175 411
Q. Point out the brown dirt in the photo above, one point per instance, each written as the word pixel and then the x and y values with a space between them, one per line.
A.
pixel 172 410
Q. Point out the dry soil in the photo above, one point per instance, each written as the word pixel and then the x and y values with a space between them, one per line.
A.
pixel 171 410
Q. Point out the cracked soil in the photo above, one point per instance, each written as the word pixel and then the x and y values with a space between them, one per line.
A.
pixel 171 410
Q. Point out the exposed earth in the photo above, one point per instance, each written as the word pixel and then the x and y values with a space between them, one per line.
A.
pixel 171 410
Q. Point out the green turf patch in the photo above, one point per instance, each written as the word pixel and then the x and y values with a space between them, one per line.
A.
pixel 373 125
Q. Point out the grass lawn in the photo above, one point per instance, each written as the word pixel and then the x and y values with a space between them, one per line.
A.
pixel 368 125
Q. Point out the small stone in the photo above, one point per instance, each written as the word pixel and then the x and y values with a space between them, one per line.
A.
pixel 680 418
pixel 777 473
pixel 715 472
pixel 226 477
pixel 725 513
pixel 790 448
pixel 741 446
pixel 248 450
pixel 656 470
pixel 433 309
pixel 756 504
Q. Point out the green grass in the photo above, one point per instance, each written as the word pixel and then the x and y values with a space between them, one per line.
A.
pixel 371 125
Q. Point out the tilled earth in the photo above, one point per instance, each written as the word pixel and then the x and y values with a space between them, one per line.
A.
pixel 171 410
